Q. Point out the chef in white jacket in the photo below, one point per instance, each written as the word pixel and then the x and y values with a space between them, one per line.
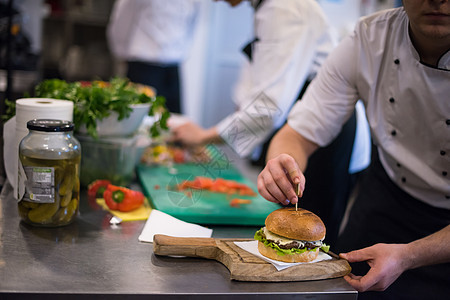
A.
pixel 397 62
pixel 154 38
pixel 292 40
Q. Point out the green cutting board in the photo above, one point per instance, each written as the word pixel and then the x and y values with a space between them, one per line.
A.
pixel 202 207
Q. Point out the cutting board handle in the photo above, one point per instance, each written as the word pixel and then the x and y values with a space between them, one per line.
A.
pixel 191 247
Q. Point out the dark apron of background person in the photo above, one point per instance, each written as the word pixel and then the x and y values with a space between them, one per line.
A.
pixel 164 78
pixel 328 182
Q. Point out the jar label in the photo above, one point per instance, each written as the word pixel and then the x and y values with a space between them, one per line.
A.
pixel 39 184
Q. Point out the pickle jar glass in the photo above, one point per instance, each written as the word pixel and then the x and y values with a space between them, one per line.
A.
pixel 49 173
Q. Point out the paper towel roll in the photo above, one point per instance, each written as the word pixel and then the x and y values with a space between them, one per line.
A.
pixel 42 108
pixel 16 128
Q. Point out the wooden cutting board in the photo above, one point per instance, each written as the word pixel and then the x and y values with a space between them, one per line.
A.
pixel 244 266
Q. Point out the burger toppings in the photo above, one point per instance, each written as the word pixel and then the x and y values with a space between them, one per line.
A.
pixel 285 243
pixel 285 246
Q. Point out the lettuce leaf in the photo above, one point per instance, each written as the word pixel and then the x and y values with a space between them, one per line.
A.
pixel 259 236
pixel 325 248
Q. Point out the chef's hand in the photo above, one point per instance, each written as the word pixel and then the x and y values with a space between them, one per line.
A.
pixel 192 135
pixel 386 265
pixel 278 180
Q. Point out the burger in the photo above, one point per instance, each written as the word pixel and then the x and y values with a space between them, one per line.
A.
pixel 291 235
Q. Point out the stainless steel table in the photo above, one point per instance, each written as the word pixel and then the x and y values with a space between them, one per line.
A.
pixel 90 259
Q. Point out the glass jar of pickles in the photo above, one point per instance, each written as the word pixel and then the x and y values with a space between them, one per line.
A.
pixel 49 168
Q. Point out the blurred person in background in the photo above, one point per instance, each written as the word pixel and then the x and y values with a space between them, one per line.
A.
pixel 154 37
pixel 292 40
pixel 398 62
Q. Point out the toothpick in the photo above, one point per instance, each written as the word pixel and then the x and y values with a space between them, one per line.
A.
pixel 298 194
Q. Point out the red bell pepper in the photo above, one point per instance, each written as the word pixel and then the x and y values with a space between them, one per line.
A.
pixel 96 188
pixel 122 199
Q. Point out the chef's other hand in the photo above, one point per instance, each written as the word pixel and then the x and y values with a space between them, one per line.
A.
pixel 191 135
pixel 386 265
pixel 278 180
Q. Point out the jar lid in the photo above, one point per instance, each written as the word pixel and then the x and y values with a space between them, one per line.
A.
pixel 49 125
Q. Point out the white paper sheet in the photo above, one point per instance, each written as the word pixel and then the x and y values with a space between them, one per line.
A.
pixel 252 247
pixel 162 223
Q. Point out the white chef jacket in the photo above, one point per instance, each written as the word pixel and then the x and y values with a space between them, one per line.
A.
pixel 293 40
pixel 157 31
pixel 407 104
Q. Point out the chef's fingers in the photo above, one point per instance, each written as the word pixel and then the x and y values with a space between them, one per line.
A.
pixel 357 255
pixel 351 277
pixel 295 175
pixel 263 191
pixel 353 280
pixel 372 281
pixel 180 135
pixel 269 189
pixel 283 172
pixel 360 283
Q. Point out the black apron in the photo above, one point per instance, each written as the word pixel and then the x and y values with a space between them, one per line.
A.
pixel 384 213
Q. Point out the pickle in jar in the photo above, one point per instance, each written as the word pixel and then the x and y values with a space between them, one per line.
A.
pixel 69 184
pixel 48 173
pixel 44 213
pixel 66 214
pixel 60 191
